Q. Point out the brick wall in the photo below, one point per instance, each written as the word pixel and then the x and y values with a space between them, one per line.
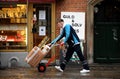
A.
pixel 69 6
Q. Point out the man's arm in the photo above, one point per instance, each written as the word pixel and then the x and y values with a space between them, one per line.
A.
pixel 58 38
pixel 67 32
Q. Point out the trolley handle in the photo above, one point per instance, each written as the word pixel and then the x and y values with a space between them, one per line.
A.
pixel 51 45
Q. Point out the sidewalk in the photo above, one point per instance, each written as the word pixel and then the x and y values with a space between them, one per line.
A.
pixel 98 71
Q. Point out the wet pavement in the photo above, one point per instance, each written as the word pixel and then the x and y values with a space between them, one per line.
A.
pixel 98 71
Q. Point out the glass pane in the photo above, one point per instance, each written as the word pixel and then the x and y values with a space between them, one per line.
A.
pixel 13 27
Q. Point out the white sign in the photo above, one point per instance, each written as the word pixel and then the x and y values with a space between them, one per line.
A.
pixel 42 15
pixel 76 20
pixel 42 30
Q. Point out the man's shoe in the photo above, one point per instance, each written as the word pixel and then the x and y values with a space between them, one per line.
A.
pixel 58 68
pixel 84 71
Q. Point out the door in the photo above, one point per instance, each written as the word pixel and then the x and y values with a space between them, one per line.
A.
pixel 107 42
pixel 41 23
pixel 107 32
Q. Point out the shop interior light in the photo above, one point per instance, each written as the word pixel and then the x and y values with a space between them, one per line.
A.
pixel 2 31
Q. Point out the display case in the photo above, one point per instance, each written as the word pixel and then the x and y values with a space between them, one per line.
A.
pixel 13 28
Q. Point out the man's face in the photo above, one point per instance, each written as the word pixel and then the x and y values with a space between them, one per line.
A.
pixel 60 24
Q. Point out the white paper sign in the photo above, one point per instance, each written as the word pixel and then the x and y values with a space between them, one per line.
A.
pixel 42 15
pixel 42 30
pixel 76 20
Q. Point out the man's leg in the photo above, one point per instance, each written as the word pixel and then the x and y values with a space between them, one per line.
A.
pixel 69 54
pixel 81 57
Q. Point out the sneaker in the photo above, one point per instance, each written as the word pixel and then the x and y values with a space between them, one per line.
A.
pixel 58 68
pixel 84 71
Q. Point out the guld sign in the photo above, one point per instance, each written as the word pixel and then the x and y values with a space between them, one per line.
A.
pixel 77 21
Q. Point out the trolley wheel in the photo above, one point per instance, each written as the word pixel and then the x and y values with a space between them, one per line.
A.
pixel 41 67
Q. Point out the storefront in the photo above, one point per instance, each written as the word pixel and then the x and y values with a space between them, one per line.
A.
pixel 23 24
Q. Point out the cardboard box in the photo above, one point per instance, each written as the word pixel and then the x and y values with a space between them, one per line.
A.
pixel 36 55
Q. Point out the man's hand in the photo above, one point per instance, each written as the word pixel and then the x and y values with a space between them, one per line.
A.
pixel 49 44
pixel 62 43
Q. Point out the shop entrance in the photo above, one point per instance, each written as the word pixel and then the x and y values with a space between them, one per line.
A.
pixel 41 23
pixel 107 32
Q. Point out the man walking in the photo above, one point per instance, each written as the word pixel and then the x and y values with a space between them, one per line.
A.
pixel 73 41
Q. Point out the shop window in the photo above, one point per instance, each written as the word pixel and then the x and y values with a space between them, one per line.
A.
pixel 13 27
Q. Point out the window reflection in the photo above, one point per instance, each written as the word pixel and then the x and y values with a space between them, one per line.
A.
pixel 13 27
